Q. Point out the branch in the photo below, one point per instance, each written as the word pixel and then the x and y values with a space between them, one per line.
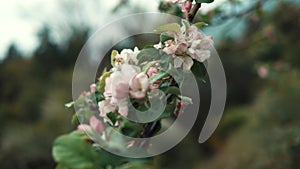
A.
pixel 191 15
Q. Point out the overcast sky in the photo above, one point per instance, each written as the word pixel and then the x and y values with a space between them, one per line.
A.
pixel 22 19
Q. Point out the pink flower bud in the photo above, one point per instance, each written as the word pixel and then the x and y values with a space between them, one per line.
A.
pixel 186 6
pixel 96 124
pixel 152 71
pixel 93 88
pixel 84 127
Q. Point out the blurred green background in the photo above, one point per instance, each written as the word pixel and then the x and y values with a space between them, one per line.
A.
pixel 258 42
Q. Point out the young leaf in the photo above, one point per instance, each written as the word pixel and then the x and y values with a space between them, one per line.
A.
pixel 165 37
pixel 200 24
pixel 102 81
pixel 148 54
pixel 185 23
pixel 172 27
pixel 159 75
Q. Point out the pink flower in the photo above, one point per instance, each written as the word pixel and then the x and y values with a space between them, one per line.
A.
pixel 207 42
pixel 152 71
pixel 117 90
pixel 120 88
pixel 123 108
pixel 186 62
pixel 186 6
pixel 93 88
pixel 84 127
pixel 85 94
pixel 96 124
pixel 139 85
pixel 117 85
pixel 263 72
pixel 108 87
pixel 199 55
pixel 175 47
pixel 170 48
pixel 105 107
pixel 193 34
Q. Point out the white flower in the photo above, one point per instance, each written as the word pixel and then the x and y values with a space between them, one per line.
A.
pixel 158 46
pixel 117 89
pixel 105 107
pixel 199 55
pixel 139 85
pixel 186 62
pixel 93 88
pixel 188 44
pixel 126 56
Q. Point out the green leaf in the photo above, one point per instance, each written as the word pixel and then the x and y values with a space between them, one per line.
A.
pixel 149 47
pixel 102 81
pixel 112 117
pixel 173 90
pixel 144 163
pixel 148 54
pixel 131 129
pixel 204 1
pixel 165 37
pixel 61 166
pixel 185 23
pixel 200 24
pixel 70 104
pixel 170 108
pixel 158 76
pixel 172 27
pixel 148 65
pixel 75 119
pixel 199 70
pixel 74 152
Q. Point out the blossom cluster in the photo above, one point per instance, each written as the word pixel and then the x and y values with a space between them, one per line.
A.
pixel 187 44
pixel 140 75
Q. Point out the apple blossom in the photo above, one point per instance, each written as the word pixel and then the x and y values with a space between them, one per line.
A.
pixel 93 88
pixel 152 71
pixel 188 44
pixel 95 125
pixel 186 6
pixel 105 107
pixel 186 62
pixel 126 56
pixel 139 85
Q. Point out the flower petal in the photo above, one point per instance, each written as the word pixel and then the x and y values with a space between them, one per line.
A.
pixel 178 62
pixel 188 63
